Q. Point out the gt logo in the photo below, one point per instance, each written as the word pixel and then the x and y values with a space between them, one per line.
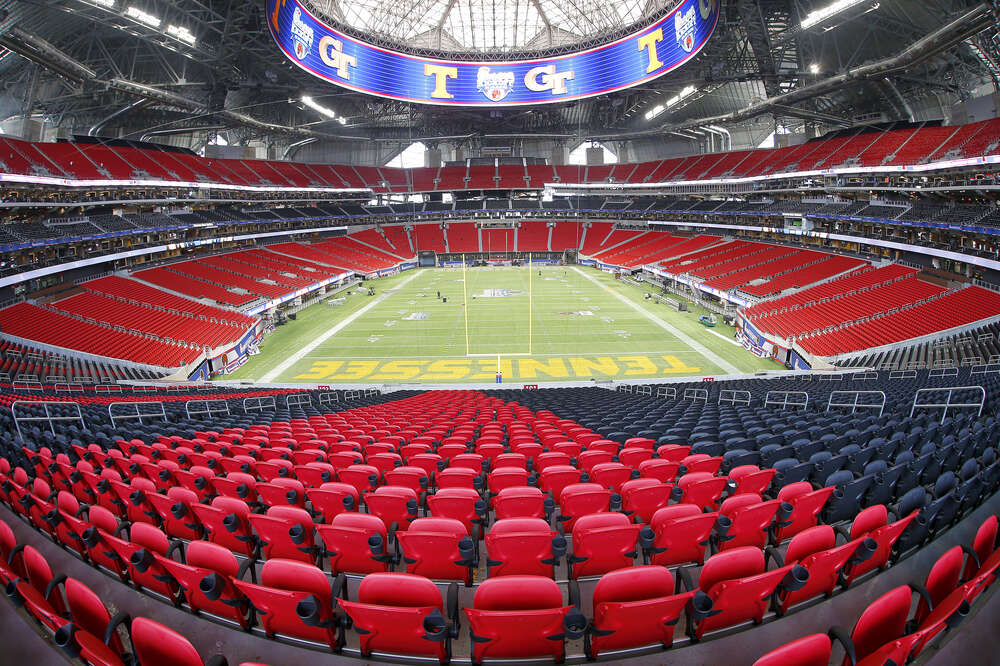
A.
pixel 332 56
pixel 545 77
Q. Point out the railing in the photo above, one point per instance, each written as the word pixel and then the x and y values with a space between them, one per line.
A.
pixel 49 417
pixel 786 399
pixel 948 404
pixel 209 408
pixel 855 404
pixel 135 411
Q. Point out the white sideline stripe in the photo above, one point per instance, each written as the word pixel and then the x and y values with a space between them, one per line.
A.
pixel 729 340
pixel 685 338
pixel 297 356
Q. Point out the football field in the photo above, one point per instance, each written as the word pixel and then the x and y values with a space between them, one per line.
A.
pixel 449 325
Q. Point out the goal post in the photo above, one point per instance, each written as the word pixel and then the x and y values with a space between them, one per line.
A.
pixel 465 309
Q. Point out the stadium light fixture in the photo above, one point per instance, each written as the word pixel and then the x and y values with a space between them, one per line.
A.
pixel 823 13
pixel 687 91
pixel 814 68
pixel 107 4
pixel 181 33
pixel 316 106
pixel 143 17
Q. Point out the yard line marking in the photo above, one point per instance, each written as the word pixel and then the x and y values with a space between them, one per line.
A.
pixel 684 337
pixel 297 356
pixel 729 340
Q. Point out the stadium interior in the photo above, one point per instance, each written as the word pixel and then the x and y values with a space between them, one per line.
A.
pixel 499 331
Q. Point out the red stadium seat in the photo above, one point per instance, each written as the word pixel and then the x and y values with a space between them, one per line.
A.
pixel 523 546
pixel 518 617
pixel 294 599
pixel 402 613
pixel 439 548
pixel 603 542
pixel 637 606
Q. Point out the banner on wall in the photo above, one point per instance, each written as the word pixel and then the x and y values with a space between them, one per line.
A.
pixel 337 58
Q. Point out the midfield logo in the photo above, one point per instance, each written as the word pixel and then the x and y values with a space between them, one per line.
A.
pixel 494 85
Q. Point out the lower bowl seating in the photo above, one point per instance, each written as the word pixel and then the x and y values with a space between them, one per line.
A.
pixel 566 524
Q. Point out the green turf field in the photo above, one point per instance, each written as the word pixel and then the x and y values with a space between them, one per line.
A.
pixel 546 324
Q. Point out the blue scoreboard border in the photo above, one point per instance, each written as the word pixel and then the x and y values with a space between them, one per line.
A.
pixel 645 55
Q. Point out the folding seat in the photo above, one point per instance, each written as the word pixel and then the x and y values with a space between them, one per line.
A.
pixel 519 617
pixel 589 458
pixel 752 524
pixel 552 459
pixel 873 522
pixel 199 480
pixel 449 451
pixel 915 502
pixel 846 500
pixel 636 606
pixel 459 477
pixel 740 587
pixel 815 550
pixel 806 506
pixel 175 513
pixel 581 499
pixel 531 452
pixel 227 522
pixel 642 497
pixel 285 532
pixel 605 542
pixel 702 489
pixel 402 613
pixel 772 453
pixel 294 599
pixel 440 549
pixel 701 463
pixel 365 478
pixel 984 545
pixel 506 477
pixel 396 506
pixel 206 576
pixel 883 621
pixel 556 477
pixel 411 477
pixel 612 475
pixel 681 534
pixel 282 492
pixel 603 445
pixel 93 632
pixel 523 546
pixel 472 461
pixel 631 457
pixel 790 470
pixel 751 479
pixel 431 463
pixel 36 572
pixel 518 502
pixel 825 465
pixel 315 474
pixel 333 498
pixel 27 596
pixel 673 452
pixel 461 504
pixel 811 650
pixel 504 460
pixel 140 551
pixel 356 543
pixel 659 469
pixel 343 459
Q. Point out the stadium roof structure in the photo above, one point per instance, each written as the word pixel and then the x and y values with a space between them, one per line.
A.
pixel 162 69
pixel 487 27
